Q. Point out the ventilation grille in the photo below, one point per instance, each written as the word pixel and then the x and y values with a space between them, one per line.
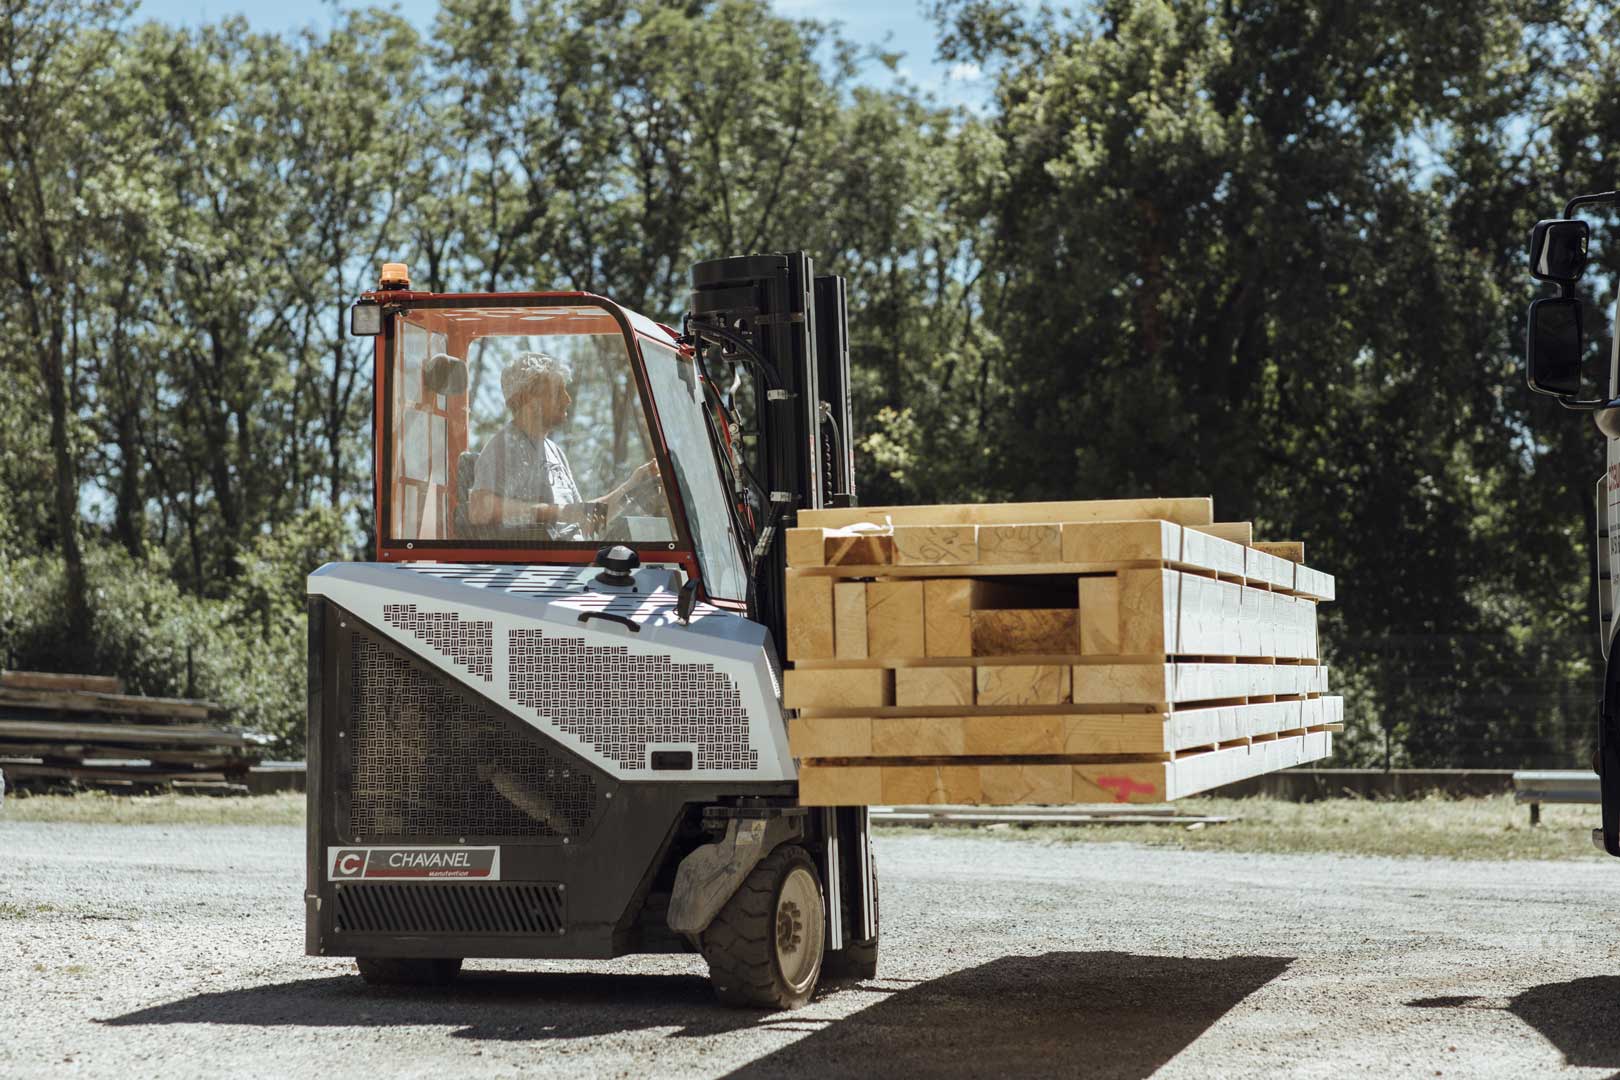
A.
pixel 619 702
pixel 505 908
pixel 425 762
pixel 469 643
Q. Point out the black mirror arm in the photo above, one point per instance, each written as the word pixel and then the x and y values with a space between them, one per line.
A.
pixel 1585 200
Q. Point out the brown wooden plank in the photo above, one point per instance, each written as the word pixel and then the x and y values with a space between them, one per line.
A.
pixel 1238 532
pixel 933 686
pixel 1026 785
pixel 51 680
pixel 840 785
pixel 1033 684
pixel 168 709
pixel 806 547
pixel 16 771
pixel 1148 612
pixel 1022 544
pixel 810 618
pixel 1025 631
pixel 849 620
pixel 1099 616
pixel 837 688
pixel 947 609
pixel 894 619
pixel 118 734
pixel 840 736
pixel 1292 550
pixel 1109 541
pixel 1194 511
pixel 847 549
pixel 936 545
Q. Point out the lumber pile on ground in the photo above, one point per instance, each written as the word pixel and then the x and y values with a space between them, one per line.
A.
pixel 83 730
pixel 1048 653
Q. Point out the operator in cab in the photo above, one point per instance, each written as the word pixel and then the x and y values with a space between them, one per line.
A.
pixel 523 477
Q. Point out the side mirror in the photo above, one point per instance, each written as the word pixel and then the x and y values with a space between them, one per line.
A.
pixel 1553 353
pixel 1558 250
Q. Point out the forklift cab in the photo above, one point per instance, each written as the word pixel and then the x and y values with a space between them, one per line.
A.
pixel 538 429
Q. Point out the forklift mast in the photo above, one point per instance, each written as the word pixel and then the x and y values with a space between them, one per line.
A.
pixel 793 326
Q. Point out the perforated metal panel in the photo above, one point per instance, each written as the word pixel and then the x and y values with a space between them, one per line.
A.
pixel 426 762
pixel 620 703
pixel 494 908
pixel 469 642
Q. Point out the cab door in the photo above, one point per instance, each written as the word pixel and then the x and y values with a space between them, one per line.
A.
pixel 1607 544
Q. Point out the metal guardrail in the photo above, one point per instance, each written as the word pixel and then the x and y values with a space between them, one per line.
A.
pixel 1537 786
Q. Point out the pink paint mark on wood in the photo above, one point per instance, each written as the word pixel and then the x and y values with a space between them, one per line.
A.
pixel 1124 787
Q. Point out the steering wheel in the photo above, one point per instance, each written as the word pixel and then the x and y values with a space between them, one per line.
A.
pixel 644 498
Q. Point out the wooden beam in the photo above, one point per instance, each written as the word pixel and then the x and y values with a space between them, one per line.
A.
pixel 933 686
pixel 1025 631
pixel 806 547
pixel 947 614
pixel 1032 684
pixel 1120 541
pixel 1197 511
pixel 810 618
pixel 1292 550
pixel 837 688
pixel 894 619
pixel 50 680
pixel 849 620
pixel 1238 532
pixel 119 734
pixel 1001 545
pixel 854 549
pixel 936 545
pixel 171 709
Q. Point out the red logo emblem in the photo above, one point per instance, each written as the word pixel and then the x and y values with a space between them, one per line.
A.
pixel 349 864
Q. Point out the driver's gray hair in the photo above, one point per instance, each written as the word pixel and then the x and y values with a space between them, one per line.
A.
pixel 527 369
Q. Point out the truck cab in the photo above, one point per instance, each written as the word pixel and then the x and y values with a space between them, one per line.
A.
pixel 1555 366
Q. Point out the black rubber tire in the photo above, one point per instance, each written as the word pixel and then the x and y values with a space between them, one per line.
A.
pixel 394 971
pixel 739 944
pixel 860 959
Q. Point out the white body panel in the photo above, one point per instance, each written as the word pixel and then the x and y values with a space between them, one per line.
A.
pixel 610 694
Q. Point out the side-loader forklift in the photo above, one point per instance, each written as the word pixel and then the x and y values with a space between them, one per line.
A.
pixel 1554 365
pixel 546 721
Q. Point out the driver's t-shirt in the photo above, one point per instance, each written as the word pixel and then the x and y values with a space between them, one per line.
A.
pixel 516 467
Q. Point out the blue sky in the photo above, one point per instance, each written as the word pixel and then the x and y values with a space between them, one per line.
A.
pixel 897 25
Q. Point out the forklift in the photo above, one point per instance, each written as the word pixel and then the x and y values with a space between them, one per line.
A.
pixel 1554 355
pixel 546 721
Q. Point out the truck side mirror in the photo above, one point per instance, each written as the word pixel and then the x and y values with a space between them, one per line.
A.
pixel 1558 250
pixel 1553 353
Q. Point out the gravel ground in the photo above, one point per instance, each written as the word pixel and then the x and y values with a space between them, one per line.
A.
pixel 175 951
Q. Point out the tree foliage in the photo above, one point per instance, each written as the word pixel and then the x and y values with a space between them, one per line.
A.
pixel 1269 252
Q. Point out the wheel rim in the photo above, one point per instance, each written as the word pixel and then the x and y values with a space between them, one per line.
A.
pixel 798 930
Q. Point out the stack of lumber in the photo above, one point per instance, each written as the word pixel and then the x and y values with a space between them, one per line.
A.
pixel 83 730
pixel 1047 653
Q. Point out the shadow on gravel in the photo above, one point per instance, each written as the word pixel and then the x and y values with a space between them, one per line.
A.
pixel 1580 1017
pixel 488 1004
pixel 1102 1014
pixel 1091 1014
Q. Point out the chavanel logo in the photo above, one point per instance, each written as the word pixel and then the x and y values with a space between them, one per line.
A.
pixel 349 863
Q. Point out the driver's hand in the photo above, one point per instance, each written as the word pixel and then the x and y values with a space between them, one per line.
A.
pixel 645 472
pixel 590 516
